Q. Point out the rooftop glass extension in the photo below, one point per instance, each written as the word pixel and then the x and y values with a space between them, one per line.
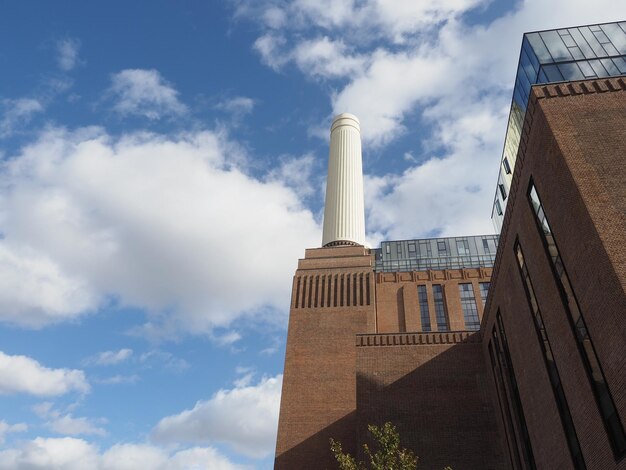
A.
pixel 557 55
pixel 436 253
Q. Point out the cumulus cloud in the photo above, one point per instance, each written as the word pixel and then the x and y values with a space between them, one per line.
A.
pixel 237 106
pixel 22 374
pixel 245 417
pixel 171 225
pixel 106 358
pixel 67 53
pixel 144 93
pixel 70 453
pixel 6 428
pixel 65 423
pixel 17 112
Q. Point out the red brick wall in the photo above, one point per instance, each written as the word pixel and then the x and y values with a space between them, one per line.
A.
pixel 574 146
pixel 431 386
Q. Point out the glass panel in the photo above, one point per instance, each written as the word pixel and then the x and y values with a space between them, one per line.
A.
pixel 593 42
pixel 582 43
pixel 539 48
pixel 527 66
pixel 567 39
pixel 577 53
pixel 610 50
pixel 555 45
pixel 598 68
pixel 601 37
pixel 553 73
pixel 616 36
pixel 620 63
pixel 609 66
pixel 570 71
pixel 530 54
pixel 586 69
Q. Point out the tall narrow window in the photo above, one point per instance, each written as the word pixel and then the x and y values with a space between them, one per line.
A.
pixel 548 358
pixel 442 248
pixel 468 305
pixel 502 191
pixel 510 391
pixel 440 308
pixel 422 298
pixel 484 290
pixel 498 208
pixel 590 360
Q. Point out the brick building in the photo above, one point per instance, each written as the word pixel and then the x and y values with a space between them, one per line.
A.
pixel 531 375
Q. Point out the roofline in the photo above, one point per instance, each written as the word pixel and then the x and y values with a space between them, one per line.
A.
pixel 577 26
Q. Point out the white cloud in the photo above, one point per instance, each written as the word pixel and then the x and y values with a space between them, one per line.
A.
pixel 145 93
pixel 6 428
pixel 325 58
pixel 106 358
pixel 66 424
pixel 22 374
pixel 245 417
pixel 67 53
pixel 237 106
pixel 169 225
pixel 70 426
pixel 118 379
pixel 77 454
pixel 17 112
pixel 167 360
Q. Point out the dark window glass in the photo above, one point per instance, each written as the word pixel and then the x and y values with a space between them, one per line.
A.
pixel 620 63
pixel 553 73
pixel 570 71
pixel 484 289
pixel 511 391
pixel 486 245
pixel 468 306
pixel 507 167
pixel 422 298
pixel 590 360
pixel 440 308
pixel 548 357
pixel 502 191
pixel 441 247
pixel 498 208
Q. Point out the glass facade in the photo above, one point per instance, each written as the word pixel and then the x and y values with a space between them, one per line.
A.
pixel 436 253
pixel 469 308
pixel 422 298
pixel 590 360
pixel 585 52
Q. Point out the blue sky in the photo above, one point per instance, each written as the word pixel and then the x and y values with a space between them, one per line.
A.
pixel 162 170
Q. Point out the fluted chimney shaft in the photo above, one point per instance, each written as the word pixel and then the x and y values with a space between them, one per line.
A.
pixel 344 212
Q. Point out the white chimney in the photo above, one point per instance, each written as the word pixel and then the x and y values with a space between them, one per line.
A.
pixel 344 212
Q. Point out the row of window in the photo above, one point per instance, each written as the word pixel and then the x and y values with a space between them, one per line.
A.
pixel 502 367
pixel 468 306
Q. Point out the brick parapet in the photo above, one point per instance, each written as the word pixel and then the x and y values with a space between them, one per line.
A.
pixel 409 339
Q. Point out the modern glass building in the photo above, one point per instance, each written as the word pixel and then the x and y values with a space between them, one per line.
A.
pixel 550 56
pixel 436 253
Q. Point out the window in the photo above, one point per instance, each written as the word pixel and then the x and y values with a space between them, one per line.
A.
pixel 486 245
pixel 484 290
pixel 468 305
pixel 590 360
pixel 440 308
pixel 502 191
pixel 548 358
pixel 422 298
pixel 506 386
pixel 442 248
pixel 498 207
pixel 412 247
pixel 462 247
pixel 387 248
pixel 506 165
pixel 425 251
